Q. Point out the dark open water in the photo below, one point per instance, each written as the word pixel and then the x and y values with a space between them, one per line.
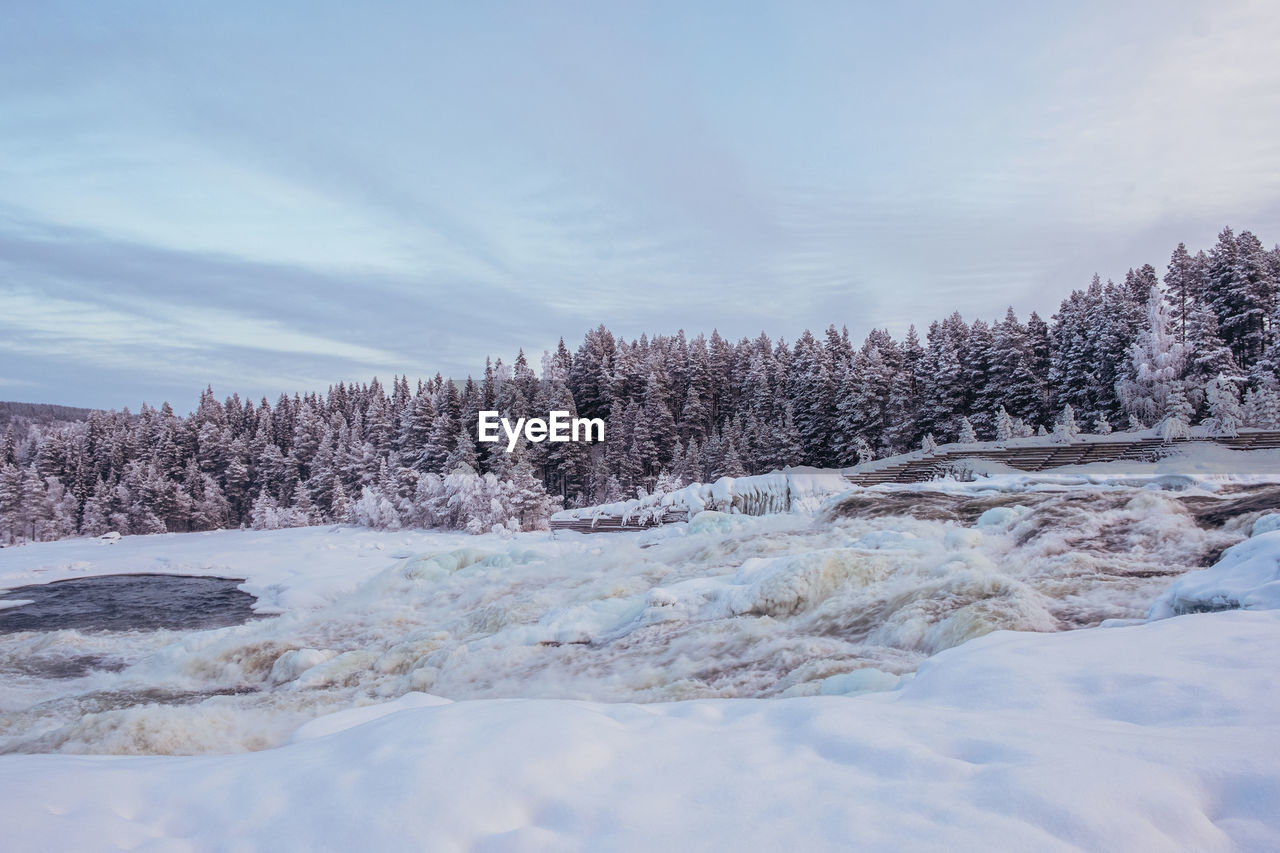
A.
pixel 128 603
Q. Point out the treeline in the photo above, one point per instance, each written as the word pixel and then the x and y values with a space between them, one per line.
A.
pixel 39 413
pixel 677 409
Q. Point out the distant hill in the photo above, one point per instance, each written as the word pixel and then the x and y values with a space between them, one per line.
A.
pixel 39 413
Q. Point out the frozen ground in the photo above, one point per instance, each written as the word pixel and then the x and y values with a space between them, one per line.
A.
pixel 625 689
pixel 1162 736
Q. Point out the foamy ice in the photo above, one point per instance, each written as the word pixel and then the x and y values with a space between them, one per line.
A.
pixel 849 600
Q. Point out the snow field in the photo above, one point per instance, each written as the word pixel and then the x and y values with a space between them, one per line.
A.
pixel 1156 737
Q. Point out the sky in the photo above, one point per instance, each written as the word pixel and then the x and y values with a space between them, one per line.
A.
pixel 273 197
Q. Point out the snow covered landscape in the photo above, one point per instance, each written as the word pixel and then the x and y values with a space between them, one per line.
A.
pixel 1032 657
pixel 661 427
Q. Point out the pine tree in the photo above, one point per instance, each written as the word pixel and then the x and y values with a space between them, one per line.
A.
pixel 1066 429
pixel 1004 425
pixel 810 391
pixel 1185 284
pixel 731 464
pixel 265 514
pixel 1262 408
pixel 529 503
pixel 339 506
pixel 943 390
pixel 904 407
pixel 445 429
pixel 1157 361
pixel 1206 353
pixel 864 451
pixel 11 501
pixel 1177 419
pixel 1226 413
pixel 305 508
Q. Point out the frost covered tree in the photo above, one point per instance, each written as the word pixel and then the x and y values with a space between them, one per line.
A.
pixel 265 514
pixel 967 434
pixel 944 392
pixel 527 501
pixel 731 464
pixel 1184 283
pixel 927 444
pixel 1177 420
pixel 11 501
pixel 1157 360
pixel 303 507
pixel 1262 408
pixel 1066 429
pixel 1004 425
pixel 677 404
pixel 374 510
pixel 1226 415
pixel 1206 353
pixel 667 483
pixel 1102 426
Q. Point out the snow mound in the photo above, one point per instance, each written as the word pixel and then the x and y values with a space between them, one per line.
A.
pixel 1246 577
pixel 1265 524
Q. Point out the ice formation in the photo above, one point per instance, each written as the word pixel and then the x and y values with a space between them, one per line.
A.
pixel 728 605
pixel 790 490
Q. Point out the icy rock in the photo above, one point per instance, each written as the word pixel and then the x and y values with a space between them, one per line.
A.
pixel 1001 517
pixel 880 540
pixel 434 567
pixel 658 597
pixel 783 586
pixel 867 680
pixel 292 664
pixel 962 538
pixel 1266 524
pixel 424 677
pixel 711 521
pixel 1247 577
pixel 342 669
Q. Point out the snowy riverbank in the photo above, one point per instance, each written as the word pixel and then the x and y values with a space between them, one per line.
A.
pixel 1161 736
pixel 678 687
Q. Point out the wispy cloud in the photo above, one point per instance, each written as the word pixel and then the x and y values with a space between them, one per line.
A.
pixel 283 197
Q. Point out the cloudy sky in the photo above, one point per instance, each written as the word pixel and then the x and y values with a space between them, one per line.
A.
pixel 274 196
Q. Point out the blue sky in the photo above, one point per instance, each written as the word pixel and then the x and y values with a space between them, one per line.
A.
pixel 273 197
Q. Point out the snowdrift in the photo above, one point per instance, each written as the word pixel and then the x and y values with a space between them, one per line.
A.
pixel 1156 737
pixel 1247 577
